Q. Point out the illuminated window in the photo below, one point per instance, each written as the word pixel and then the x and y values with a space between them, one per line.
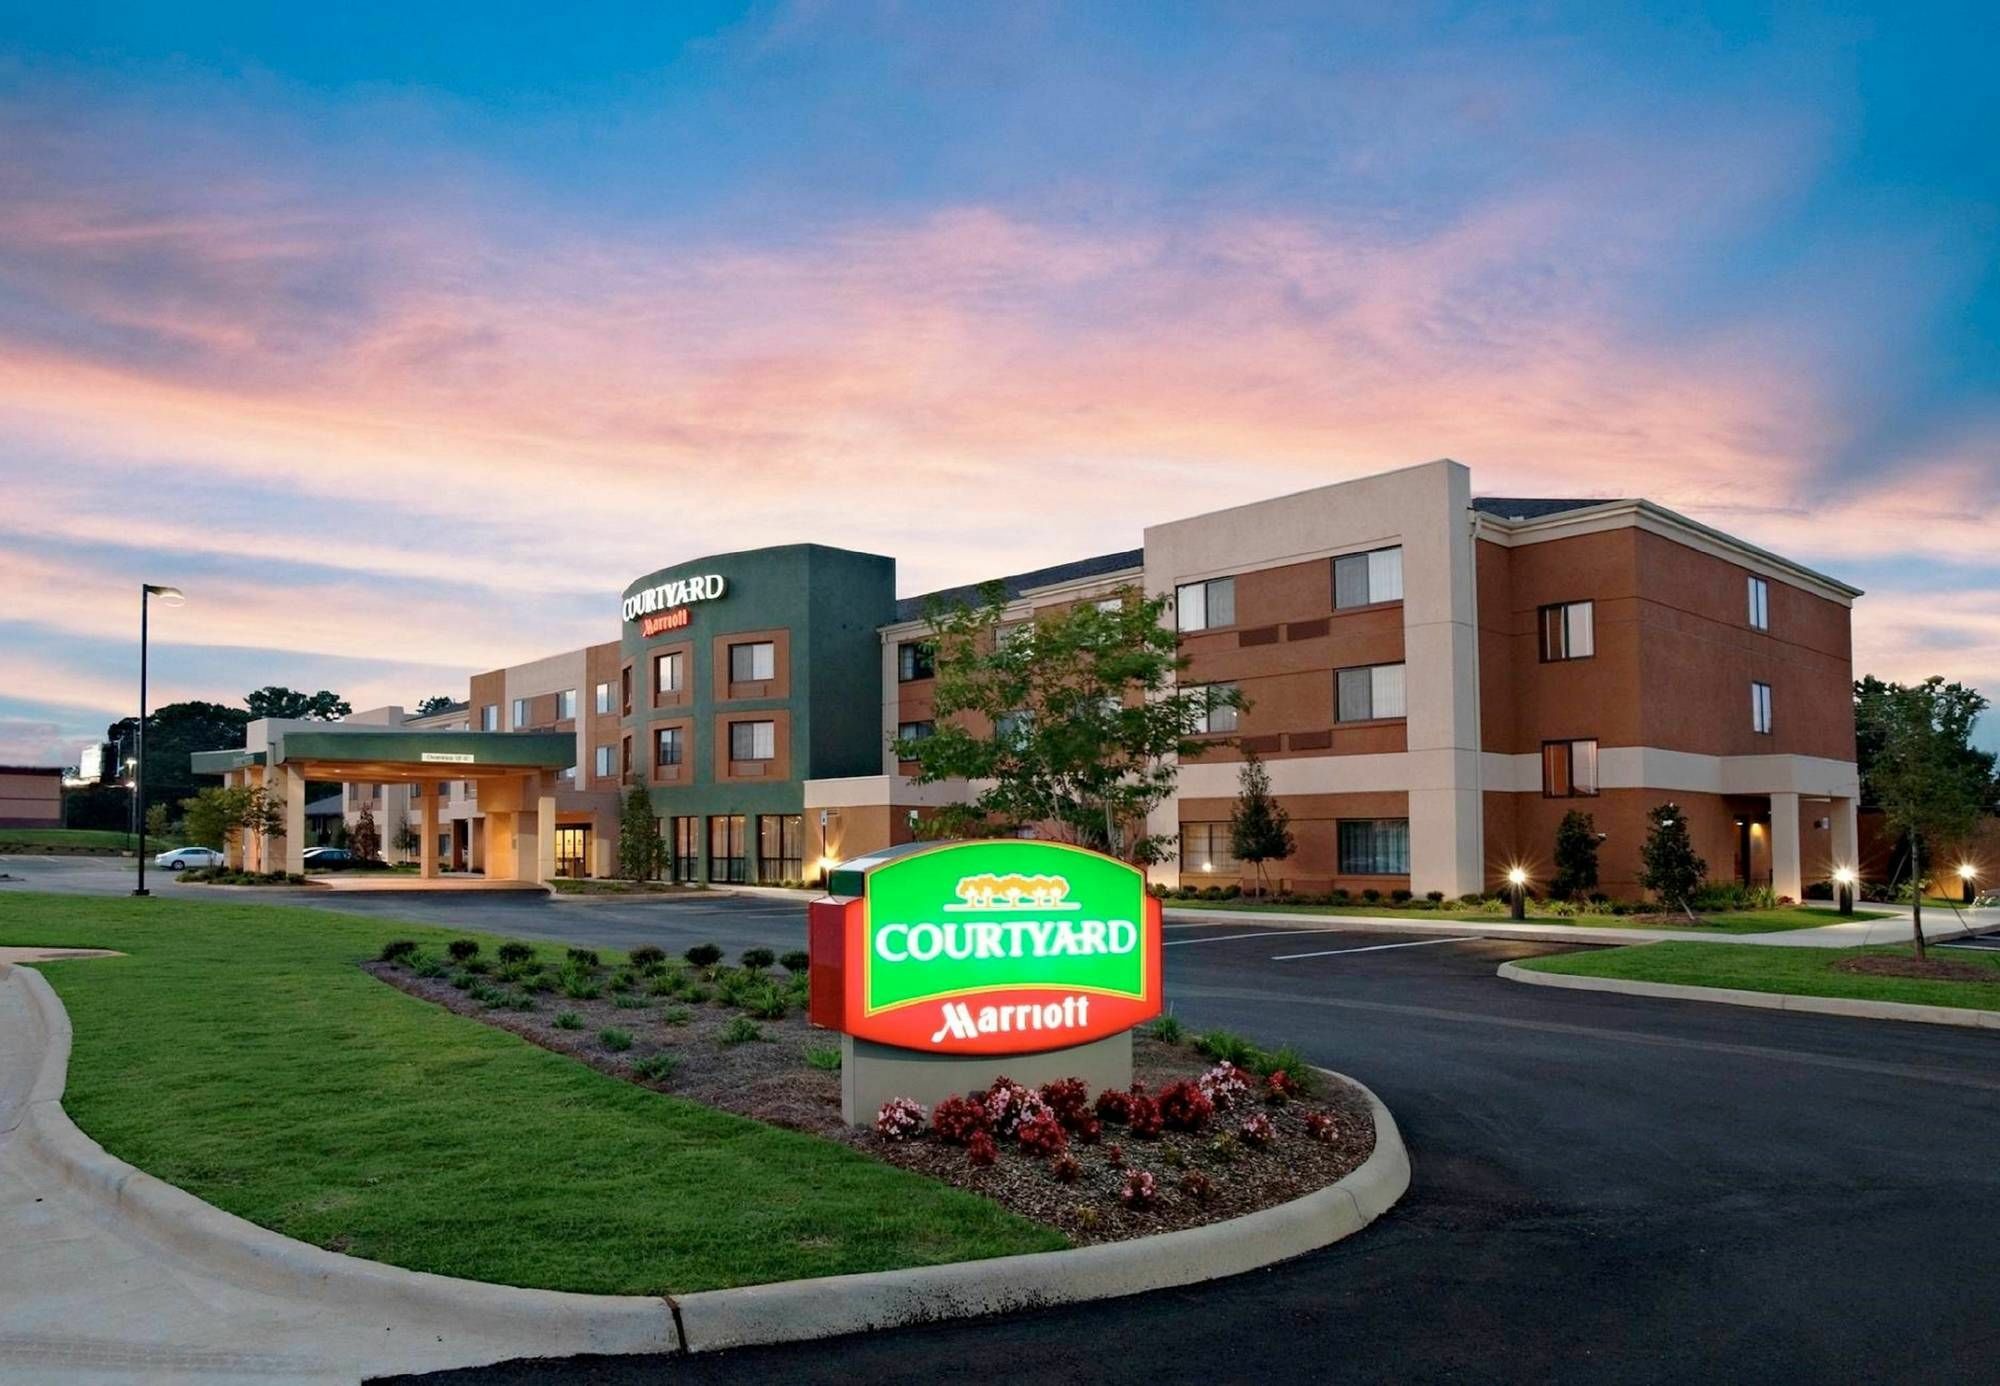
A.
pixel 1569 769
pixel 1205 850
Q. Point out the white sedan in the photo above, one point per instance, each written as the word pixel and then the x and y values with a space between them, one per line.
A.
pixel 181 858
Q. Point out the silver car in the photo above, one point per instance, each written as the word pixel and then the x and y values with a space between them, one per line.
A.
pixel 181 858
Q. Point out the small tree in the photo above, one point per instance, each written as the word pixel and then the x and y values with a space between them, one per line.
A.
pixel 364 839
pixel 159 821
pixel 1928 783
pixel 409 840
pixel 1259 828
pixel 1668 865
pixel 1576 856
pixel 641 852
pixel 214 817
pixel 437 702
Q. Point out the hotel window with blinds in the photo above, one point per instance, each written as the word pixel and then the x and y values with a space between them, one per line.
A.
pixel 1364 695
pixel 1569 631
pixel 1374 846
pixel 1205 850
pixel 1363 579
pixel 1569 769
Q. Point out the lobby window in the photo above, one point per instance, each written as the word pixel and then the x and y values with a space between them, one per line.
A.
pixel 667 746
pixel 1205 605
pixel 1760 708
pixel 780 846
pixel 604 697
pixel 670 672
pixel 725 849
pixel 1205 850
pixel 684 846
pixel 915 731
pixel 1569 769
pixel 489 717
pixel 1362 579
pixel 753 740
pixel 915 659
pixel 520 713
pixel 1368 693
pixel 566 705
pixel 1760 604
pixel 603 765
pixel 755 662
pixel 1569 631
pixel 1219 719
pixel 1374 846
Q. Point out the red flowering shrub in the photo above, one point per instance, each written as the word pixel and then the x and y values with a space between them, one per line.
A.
pixel 1042 1136
pixel 1258 1130
pixel 900 1119
pixel 1184 1107
pixel 1279 1087
pixel 1321 1128
pixel 958 1119
pixel 1115 1106
pixel 1114 1156
pixel 1009 1103
pixel 1065 1169
pixel 1145 1119
pixel 980 1149
pixel 1226 1086
pixel 1141 1190
pixel 1198 1186
pixel 1069 1099
pixel 1090 1130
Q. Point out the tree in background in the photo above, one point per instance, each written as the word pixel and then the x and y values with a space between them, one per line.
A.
pixel 364 839
pixel 1576 856
pixel 173 733
pixel 1259 828
pixel 159 822
pixel 1074 719
pixel 641 852
pixel 438 702
pixel 216 817
pixel 1668 864
pixel 1923 772
pixel 409 841
pixel 275 700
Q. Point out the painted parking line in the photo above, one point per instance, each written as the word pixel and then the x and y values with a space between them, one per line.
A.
pixel 1372 948
pixel 1231 938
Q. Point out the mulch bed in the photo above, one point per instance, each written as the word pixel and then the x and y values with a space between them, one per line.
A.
pixel 769 1079
pixel 1932 970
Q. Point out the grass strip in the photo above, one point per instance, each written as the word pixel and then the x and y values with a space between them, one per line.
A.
pixel 1787 971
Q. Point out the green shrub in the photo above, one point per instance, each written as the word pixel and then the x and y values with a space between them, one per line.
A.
pixel 397 950
pixel 1436 897
pixel 767 1004
pixel 516 1001
pixel 568 1020
pixel 1472 900
pixel 646 958
pixel 796 961
pixel 481 966
pixel 1371 895
pixel 825 1058
pixel 741 1030
pixel 757 959
pixel 462 949
pixel 615 1039
pixel 670 982
pixel 583 957
pixel 579 985
pixel 427 967
pixel 1293 1063
pixel 1338 896
pixel 696 995
pixel 1400 897
pixel 486 993
pixel 630 1003
pixel 677 1015
pixel 1167 1029
pixel 515 951
pixel 621 981
pixel 1226 1046
pixel 656 1068
pixel 462 979
pixel 704 955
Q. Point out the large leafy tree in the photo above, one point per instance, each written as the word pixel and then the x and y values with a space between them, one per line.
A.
pixel 1074 721
pixel 275 700
pixel 1259 828
pixel 1923 772
pixel 213 817
pixel 173 733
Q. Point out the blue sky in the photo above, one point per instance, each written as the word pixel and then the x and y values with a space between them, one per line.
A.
pixel 404 337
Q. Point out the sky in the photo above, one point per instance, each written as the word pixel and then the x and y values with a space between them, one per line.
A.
pixel 402 337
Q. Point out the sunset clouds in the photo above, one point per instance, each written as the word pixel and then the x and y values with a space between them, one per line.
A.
pixel 365 368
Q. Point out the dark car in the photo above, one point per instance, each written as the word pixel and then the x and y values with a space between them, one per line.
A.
pixel 329 859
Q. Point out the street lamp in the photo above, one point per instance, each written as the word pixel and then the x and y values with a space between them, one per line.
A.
pixel 1843 882
pixel 1967 873
pixel 171 596
pixel 1517 879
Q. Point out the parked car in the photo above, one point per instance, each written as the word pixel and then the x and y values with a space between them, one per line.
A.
pixel 329 859
pixel 181 858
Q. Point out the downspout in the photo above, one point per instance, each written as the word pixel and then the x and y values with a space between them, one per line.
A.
pixel 1478 699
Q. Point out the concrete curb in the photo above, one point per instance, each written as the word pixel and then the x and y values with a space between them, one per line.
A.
pixel 550 1323
pixel 1450 928
pixel 1962 1017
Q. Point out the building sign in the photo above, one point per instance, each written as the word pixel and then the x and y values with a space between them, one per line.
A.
pixel 445 757
pixel 1004 947
pixel 680 593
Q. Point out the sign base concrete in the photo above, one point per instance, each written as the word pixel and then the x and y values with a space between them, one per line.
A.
pixel 871 1074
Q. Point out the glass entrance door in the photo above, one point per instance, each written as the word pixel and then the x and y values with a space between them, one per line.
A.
pixel 687 850
pixel 572 850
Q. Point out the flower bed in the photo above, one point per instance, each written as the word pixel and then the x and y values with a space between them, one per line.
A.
pixel 1199 1137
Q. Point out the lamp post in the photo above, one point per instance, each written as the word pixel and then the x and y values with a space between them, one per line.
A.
pixel 1843 885
pixel 172 596
pixel 1517 880
pixel 1967 873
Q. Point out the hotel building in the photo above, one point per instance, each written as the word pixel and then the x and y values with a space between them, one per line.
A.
pixel 1433 680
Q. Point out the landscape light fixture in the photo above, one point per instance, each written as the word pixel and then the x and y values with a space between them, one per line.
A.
pixel 1967 873
pixel 169 596
pixel 1843 881
pixel 1517 878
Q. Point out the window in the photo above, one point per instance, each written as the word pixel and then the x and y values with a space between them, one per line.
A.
pixel 1012 726
pixel 1569 631
pixel 753 740
pixel 625 757
pixel 625 690
pixel 604 697
pixel 1760 604
pixel 753 663
pixel 1205 850
pixel 1205 605
pixel 667 746
pixel 1008 632
pixel 915 660
pixel 1569 769
pixel 669 672
pixel 603 761
pixel 1369 693
pixel 489 717
pixel 566 705
pixel 684 863
pixel 780 846
pixel 1760 708
pixel 1217 719
pixel 1374 846
pixel 520 713
pixel 1362 579
pixel 1110 604
pixel 915 731
pixel 725 849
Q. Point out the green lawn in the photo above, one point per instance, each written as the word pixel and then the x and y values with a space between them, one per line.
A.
pixel 82 837
pixel 240 1053
pixel 1729 922
pixel 1791 971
